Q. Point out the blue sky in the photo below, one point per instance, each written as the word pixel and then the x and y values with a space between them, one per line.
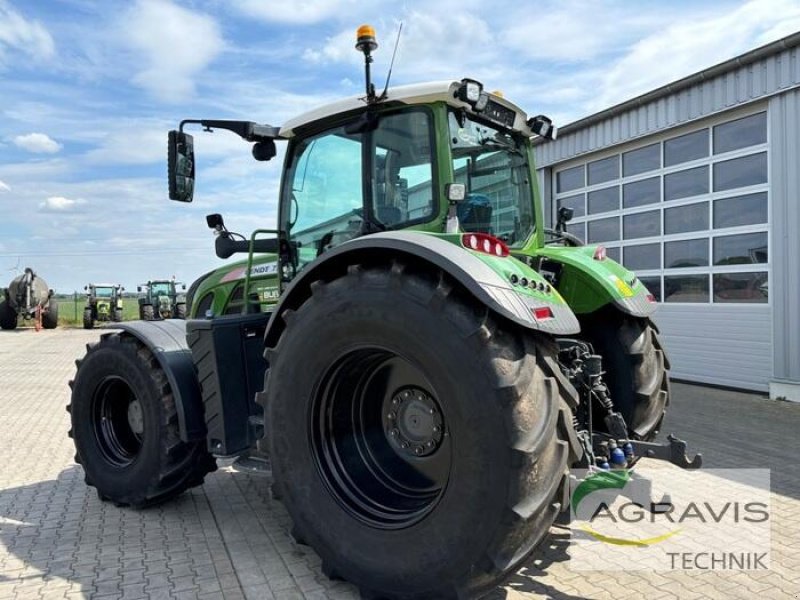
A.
pixel 88 90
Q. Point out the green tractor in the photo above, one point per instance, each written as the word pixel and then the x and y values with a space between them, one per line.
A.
pixel 160 299
pixel 28 297
pixel 435 363
pixel 103 303
pixel 221 292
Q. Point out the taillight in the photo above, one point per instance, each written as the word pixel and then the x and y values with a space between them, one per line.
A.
pixel 600 253
pixel 483 242
pixel 541 313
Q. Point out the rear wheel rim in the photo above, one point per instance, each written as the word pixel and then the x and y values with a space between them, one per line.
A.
pixel 117 421
pixel 379 438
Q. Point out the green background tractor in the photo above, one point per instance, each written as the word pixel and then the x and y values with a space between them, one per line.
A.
pixel 103 303
pixel 28 298
pixel 161 299
pixel 434 363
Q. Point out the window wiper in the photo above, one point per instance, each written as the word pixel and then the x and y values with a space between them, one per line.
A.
pixel 500 145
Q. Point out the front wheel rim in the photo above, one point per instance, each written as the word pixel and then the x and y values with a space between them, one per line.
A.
pixel 379 438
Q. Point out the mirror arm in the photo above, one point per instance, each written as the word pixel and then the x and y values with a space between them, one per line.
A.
pixel 248 130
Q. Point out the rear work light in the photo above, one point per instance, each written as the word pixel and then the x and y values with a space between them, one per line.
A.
pixel 483 242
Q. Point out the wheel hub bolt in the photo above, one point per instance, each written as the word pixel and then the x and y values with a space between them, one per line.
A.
pixel 394 432
pixel 419 450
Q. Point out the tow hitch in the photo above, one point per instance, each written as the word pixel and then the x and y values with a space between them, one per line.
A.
pixel 611 449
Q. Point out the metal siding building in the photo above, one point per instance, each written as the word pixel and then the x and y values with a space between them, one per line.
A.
pixel 696 187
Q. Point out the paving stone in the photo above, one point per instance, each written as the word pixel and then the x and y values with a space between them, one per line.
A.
pixel 228 540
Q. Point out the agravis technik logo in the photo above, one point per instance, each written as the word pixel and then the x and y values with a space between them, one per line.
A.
pixel 664 518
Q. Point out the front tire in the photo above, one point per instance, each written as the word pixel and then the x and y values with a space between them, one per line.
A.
pixel 146 313
pixel 180 311
pixel 50 316
pixel 88 322
pixel 417 441
pixel 125 426
pixel 8 316
pixel 636 368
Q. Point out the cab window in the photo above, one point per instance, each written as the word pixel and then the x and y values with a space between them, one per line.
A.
pixel 403 186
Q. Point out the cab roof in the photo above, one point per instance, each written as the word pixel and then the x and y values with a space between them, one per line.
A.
pixel 418 93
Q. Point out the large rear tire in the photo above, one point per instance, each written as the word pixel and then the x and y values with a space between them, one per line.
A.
pixel 50 316
pixel 125 426
pixel 417 441
pixel 636 368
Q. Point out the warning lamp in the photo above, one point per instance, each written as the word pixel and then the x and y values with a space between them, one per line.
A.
pixel 485 243
pixel 541 313
pixel 600 253
pixel 365 39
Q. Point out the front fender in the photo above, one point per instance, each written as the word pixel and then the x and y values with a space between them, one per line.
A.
pixel 487 279
pixel 588 284
pixel 167 341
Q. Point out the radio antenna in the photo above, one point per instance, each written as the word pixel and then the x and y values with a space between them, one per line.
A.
pixel 391 64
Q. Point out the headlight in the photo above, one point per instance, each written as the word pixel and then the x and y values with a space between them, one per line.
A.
pixel 470 91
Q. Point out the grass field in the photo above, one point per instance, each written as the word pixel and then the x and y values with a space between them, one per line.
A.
pixel 70 312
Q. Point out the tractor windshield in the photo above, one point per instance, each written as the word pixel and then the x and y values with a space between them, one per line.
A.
pixel 493 165
pixel 103 292
pixel 161 289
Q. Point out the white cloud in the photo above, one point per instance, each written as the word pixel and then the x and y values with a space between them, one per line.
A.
pixel 40 143
pixel 175 45
pixel 577 31
pixel 19 34
pixel 299 13
pixel 60 204
pixel 4 187
pixel 688 45
pixel 429 47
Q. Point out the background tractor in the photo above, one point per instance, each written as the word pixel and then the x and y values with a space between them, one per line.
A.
pixel 431 369
pixel 103 303
pixel 28 297
pixel 160 299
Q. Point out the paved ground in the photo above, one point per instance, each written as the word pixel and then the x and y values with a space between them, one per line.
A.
pixel 229 540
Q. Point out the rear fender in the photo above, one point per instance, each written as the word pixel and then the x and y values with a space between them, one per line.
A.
pixel 167 341
pixel 487 280
pixel 589 284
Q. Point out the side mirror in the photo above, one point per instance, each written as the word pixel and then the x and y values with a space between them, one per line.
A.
pixel 564 216
pixel 543 126
pixel 183 286
pixel 180 163
pixel 86 288
pixel 138 288
pixel 214 221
